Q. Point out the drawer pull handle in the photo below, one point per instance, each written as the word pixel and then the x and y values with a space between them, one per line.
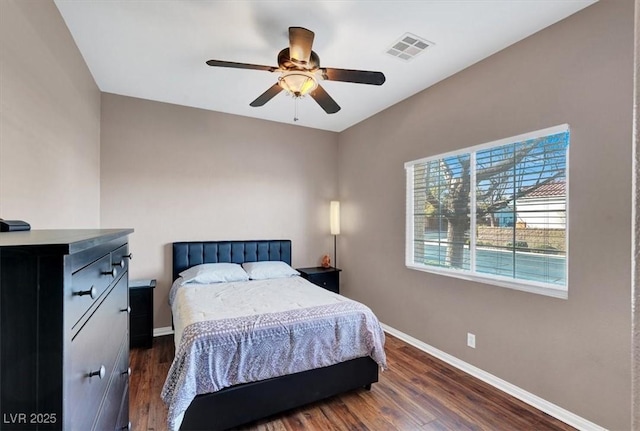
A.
pixel 93 292
pixel 128 372
pixel 129 256
pixel 112 273
pixel 120 264
pixel 126 427
pixel 128 310
pixel 100 373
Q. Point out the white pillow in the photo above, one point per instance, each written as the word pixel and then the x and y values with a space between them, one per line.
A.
pixel 268 269
pixel 214 273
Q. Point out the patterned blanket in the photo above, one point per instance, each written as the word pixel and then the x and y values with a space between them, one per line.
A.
pixel 215 354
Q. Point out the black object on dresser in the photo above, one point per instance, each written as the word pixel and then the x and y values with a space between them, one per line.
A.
pixel 64 341
pixel 329 278
pixel 141 316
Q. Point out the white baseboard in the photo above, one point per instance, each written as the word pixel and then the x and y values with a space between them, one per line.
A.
pixel 159 332
pixel 519 393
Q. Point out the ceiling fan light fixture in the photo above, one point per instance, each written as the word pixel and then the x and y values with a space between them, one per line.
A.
pixel 297 83
pixel 300 71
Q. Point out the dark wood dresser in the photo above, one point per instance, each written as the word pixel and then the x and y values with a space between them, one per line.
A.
pixel 64 338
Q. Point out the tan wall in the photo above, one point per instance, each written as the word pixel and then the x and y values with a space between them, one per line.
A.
pixel 635 421
pixel 49 121
pixel 576 352
pixel 175 174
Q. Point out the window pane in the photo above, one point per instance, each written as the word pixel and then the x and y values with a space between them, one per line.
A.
pixel 521 209
pixel 441 212
pixel 511 194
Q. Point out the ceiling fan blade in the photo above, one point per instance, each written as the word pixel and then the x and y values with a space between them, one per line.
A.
pixel 357 76
pixel 324 100
pixel 220 63
pixel 300 42
pixel 267 95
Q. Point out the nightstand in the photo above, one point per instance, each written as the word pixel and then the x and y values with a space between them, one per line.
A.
pixel 328 278
pixel 141 315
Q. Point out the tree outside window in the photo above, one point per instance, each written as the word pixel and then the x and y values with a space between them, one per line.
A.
pixel 496 210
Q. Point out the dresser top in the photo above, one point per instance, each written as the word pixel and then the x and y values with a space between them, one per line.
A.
pixel 66 241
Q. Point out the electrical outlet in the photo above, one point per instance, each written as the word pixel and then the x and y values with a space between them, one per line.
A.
pixel 471 340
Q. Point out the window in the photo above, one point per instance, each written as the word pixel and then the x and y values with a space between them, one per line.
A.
pixel 495 213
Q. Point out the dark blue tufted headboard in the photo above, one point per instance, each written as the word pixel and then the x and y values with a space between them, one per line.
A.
pixel 190 253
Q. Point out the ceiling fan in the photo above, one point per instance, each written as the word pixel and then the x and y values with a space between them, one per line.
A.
pixel 300 71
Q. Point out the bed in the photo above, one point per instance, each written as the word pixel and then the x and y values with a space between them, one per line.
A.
pixel 223 405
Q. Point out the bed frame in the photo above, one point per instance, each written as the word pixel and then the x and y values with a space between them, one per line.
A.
pixel 241 404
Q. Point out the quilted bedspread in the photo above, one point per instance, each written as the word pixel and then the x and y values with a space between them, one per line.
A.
pixel 234 333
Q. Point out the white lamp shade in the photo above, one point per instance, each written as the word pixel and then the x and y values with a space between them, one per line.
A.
pixel 298 84
pixel 334 217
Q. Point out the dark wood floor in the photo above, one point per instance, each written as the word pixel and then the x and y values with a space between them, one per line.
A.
pixel 417 392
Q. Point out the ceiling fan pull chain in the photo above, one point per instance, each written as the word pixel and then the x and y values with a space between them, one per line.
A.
pixel 295 109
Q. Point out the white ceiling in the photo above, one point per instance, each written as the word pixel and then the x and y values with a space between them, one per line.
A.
pixel 156 49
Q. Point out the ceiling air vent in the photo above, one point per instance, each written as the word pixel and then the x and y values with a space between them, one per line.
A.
pixel 408 46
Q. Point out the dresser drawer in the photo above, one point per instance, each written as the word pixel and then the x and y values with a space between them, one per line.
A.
pixel 112 405
pixel 83 258
pixel 329 281
pixel 120 258
pixel 321 279
pixel 87 285
pixel 327 278
pixel 95 349
pixel 123 419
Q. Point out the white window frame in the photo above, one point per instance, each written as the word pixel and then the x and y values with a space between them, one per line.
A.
pixel 541 288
